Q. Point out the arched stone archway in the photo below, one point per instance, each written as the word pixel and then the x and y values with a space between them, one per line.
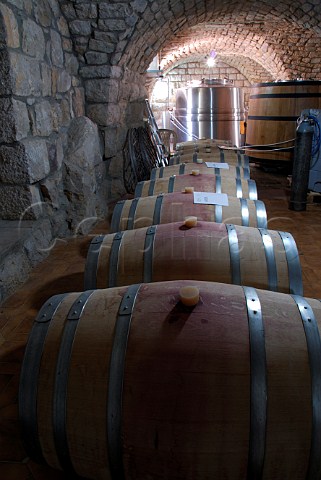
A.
pixel 116 43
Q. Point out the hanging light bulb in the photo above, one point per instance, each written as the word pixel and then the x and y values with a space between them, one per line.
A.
pixel 211 59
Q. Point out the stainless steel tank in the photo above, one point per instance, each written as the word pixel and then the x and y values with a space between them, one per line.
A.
pixel 211 110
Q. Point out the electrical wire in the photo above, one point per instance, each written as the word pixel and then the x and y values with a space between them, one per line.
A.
pixel 255 147
pixel 270 144
pixel 285 149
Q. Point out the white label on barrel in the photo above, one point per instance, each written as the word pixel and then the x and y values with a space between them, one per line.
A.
pixel 210 198
pixel 217 165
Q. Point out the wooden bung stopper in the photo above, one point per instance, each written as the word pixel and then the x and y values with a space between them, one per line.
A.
pixel 189 190
pixel 195 172
pixel 189 295
pixel 190 221
pixel 199 160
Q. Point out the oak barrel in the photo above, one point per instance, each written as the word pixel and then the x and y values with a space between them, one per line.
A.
pixel 215 252
pixel 174 207
pixel 201 143
pixel 219 155
pixel 236 187
pixel 187 168
pixel 274 108
pixel 128 383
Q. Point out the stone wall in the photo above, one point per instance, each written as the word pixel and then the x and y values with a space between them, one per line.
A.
pixel 41 96
pixel 68 58
pixel 116 41
pixel 115 94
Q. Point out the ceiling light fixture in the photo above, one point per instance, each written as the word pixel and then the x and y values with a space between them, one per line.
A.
pixel 211 59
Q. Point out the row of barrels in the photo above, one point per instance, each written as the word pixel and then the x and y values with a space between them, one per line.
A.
pixel 130 380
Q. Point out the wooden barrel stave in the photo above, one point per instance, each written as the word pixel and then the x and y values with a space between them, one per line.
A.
pixel 236 187
pixel 187 382
pixel 174 207
pixel 233 171
pixel 202 142
pixel 209 251
pixel 220 155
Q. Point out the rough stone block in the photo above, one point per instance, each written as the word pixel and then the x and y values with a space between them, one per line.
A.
pixel 83 175
pixel 69 11
pixel 45 80
pixel 38 245
pixel 114 139
pixel 78 102
pixel 37 156
pixel 54 79
pixel 93 71
pixel 99 90
pixel 7 123
pixel 63 26
pixel 115 167
pixel 71 64
pixel 25 74
pixel 107 37
pixel 105 114
pixel 81 44
pixel 139 5
pixel 116 188
pixel 20 202
pixel 80 27
pixel 86 10
pixel 63 81
pixel 106 10
pixel 23 5
pixel 11 26
pixel 59 225
pixel 5 77
pixel 21 117
pixel 61 141
pixel 13 165
pixel 43 119
pixel 118 25
pixel 33 40
pixel 96 58
pixel 67 44
pixel 43 13
pixel 57 54
pixel 65 111
pixel 84 148
pixel 101 46
pixel 14 270
pixel 51 189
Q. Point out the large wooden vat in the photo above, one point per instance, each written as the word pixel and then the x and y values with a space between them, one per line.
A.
pixel 214 252
pixel 274 108
pixel 174 207
pixel 187 168
pixel 128 383
pixel 236 187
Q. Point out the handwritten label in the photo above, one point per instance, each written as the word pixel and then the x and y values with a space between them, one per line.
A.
pixel 209 198
pixel 217 165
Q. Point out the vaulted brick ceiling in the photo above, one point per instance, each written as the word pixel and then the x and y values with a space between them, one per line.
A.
pixel 281 37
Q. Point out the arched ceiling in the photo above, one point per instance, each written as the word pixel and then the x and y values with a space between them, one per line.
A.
pixel 283 37
pixel 250 69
